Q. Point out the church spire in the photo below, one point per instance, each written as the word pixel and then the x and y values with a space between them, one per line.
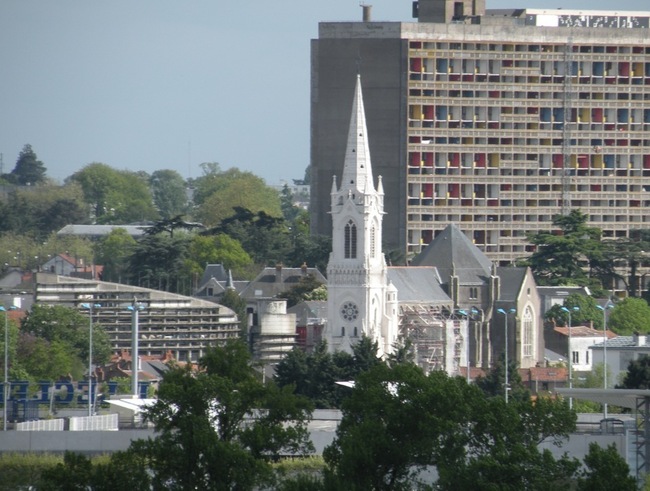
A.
pixel 357 169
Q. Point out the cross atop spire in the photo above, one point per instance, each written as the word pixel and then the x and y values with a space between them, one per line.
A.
pixel 357 169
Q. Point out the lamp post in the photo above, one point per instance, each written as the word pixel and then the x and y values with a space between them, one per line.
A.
pixel 608 305
pixel 135 308
pixel 570 352
pixel 505 314
pixel 6 374
pixel 90 306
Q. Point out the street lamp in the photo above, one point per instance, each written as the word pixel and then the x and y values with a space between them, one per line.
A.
pixel 505 314
pixel 570 352
pixel 6 374
pixel 90 306
pixel 608 305
pixel 135 308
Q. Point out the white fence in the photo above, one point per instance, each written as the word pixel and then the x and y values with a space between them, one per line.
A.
pixel 41 425
pixel 107 422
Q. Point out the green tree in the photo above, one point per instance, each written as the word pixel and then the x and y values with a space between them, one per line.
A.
pixel 29 170
pixel 74 474
pixel 67 325
pixel 168 189
pixel 301 291
pixel 113 252
pixel 629 316
pixel 503 450
pixel 264 237
pixel 604 470
pixel 638 374
pixel 115 196
pixel 205 436
pixel 47 360
pixel 217 195
pixel 396 422
pixel 39 211
pixel 217 249
pixel 494 382
pixel 584 310
pixel 314 375
pixel 563 256
pixel 78 472
pixel 158 261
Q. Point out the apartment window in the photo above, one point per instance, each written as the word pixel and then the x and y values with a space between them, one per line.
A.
pixel 575 357
pixel 587 357
pixel 350 246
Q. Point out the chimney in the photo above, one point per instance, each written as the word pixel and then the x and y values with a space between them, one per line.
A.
pixel 367 9
pixel 303 268
pixel 639 339
pixel 278 272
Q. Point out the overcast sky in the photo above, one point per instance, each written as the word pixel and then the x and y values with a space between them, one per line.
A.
pixel 160 84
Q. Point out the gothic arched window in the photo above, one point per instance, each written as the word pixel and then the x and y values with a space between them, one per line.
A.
pixel 528 332
pixel 350 245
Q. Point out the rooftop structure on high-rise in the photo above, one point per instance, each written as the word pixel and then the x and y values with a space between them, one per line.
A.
pixel 496 121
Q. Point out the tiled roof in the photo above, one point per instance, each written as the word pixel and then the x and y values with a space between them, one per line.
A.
pixel 584 332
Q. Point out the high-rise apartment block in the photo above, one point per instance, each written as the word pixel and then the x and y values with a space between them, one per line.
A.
pixel 493 120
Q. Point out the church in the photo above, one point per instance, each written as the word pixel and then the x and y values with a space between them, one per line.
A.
pixel 459 310
pixel 361 300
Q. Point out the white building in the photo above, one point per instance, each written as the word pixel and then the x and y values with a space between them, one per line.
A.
pixel 621 350
pixel 361 300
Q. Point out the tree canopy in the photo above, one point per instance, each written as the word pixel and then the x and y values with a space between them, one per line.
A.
pixel 629 316
pixel 565 254
pixel 54 341
pixel 29 171
pixel 168 189
pixel 397 422
pixel 115 196
pixel 218 194
pixel 219 428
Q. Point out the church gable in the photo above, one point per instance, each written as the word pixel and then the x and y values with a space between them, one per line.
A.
pixel 452 253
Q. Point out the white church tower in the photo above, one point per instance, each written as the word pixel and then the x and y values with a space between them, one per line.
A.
pixel 360 300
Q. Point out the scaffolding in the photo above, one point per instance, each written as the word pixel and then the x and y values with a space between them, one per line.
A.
pixel 437 335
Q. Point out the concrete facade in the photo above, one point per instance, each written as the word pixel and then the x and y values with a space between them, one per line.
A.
pixel 183 326
pixel 474 122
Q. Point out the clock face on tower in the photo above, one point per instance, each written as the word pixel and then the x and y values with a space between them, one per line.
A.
pixel 349 311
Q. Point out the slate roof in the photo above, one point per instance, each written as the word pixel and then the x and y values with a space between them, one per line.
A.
pixel 452 250
pixel 216 271
pixel 562 291
pixel 623 342
pixel 418 285
pixel 273 280
pixel 511 280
